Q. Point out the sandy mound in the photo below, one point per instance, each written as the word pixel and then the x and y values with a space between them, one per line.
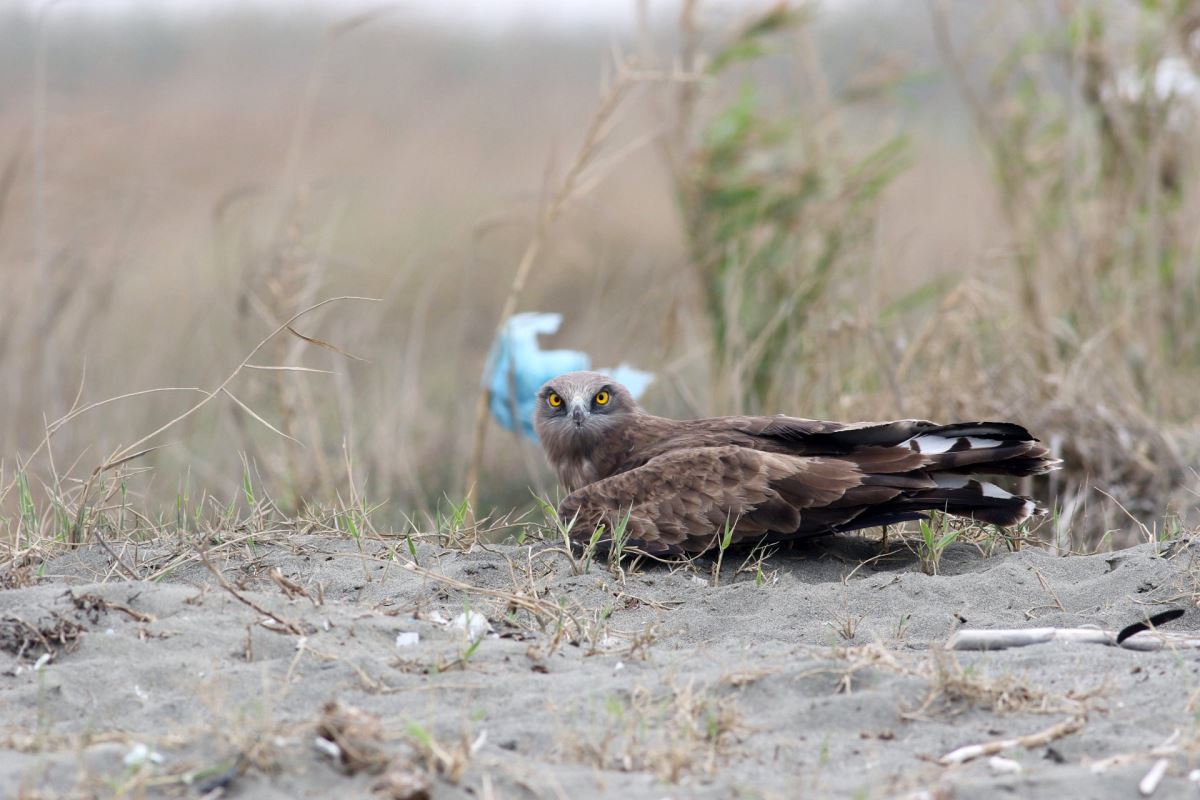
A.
pixel 820 675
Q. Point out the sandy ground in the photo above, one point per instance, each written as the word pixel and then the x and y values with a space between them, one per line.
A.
pixel 825 676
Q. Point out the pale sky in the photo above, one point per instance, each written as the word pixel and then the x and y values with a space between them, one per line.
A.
pixel 485 14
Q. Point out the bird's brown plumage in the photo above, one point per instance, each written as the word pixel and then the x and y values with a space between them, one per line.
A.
pixel 673 487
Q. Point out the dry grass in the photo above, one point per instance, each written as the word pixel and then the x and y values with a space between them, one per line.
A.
pixel 39 639
pixel 952 689
pixel 679 731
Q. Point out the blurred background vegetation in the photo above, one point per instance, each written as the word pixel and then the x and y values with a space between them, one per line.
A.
pixel 952 210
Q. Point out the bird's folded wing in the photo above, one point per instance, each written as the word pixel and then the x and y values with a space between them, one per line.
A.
pixel 815 436
pixel 684 501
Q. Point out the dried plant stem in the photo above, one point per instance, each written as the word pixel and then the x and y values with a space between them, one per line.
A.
pixel 987 128
pixel 44 308
pixel 291 627
pixel 308 104
pixel 578 179
pixel 126 453
pixel 481 402
pixel 138 448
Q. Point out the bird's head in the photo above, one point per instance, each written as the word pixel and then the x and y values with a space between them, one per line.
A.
pixel 578 408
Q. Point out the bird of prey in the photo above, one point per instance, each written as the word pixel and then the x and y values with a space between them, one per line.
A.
pixel 676 487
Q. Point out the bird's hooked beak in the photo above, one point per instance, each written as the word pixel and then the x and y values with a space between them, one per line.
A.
pixel 578 412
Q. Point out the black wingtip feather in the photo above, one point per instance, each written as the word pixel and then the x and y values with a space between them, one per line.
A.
pixel 999 431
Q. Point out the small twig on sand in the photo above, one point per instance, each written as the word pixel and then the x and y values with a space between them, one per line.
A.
pixel 1042 580
pixel 108 605
pixel 965 754
pixel 291 627
pixel 370 684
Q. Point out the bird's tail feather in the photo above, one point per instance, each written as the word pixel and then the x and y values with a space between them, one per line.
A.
pixel 953 494
pixel 985 448
pixel 979 500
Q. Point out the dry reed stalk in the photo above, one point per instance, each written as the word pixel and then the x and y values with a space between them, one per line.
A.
pixel 985 125
pixel 580 177
pixel 295 274
pixel 138 449
pixel 38 134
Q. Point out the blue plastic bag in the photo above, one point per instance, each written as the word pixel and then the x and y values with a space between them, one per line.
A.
pixel 517 368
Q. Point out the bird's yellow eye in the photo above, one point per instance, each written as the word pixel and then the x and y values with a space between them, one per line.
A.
pixel 554 400
pixel 602 398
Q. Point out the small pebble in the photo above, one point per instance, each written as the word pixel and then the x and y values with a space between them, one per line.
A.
pixel 1003 766
pixel 139 754
pixel 472 623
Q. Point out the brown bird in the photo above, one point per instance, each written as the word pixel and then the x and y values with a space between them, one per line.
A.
pixel 674 487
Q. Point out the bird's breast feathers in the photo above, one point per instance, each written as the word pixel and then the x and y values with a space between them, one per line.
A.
pixel 575 472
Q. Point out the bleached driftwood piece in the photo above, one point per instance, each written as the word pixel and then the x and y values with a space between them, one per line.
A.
pixel 1168 748
pixel 1154 777
pixel 1022 637
pixel 972 751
